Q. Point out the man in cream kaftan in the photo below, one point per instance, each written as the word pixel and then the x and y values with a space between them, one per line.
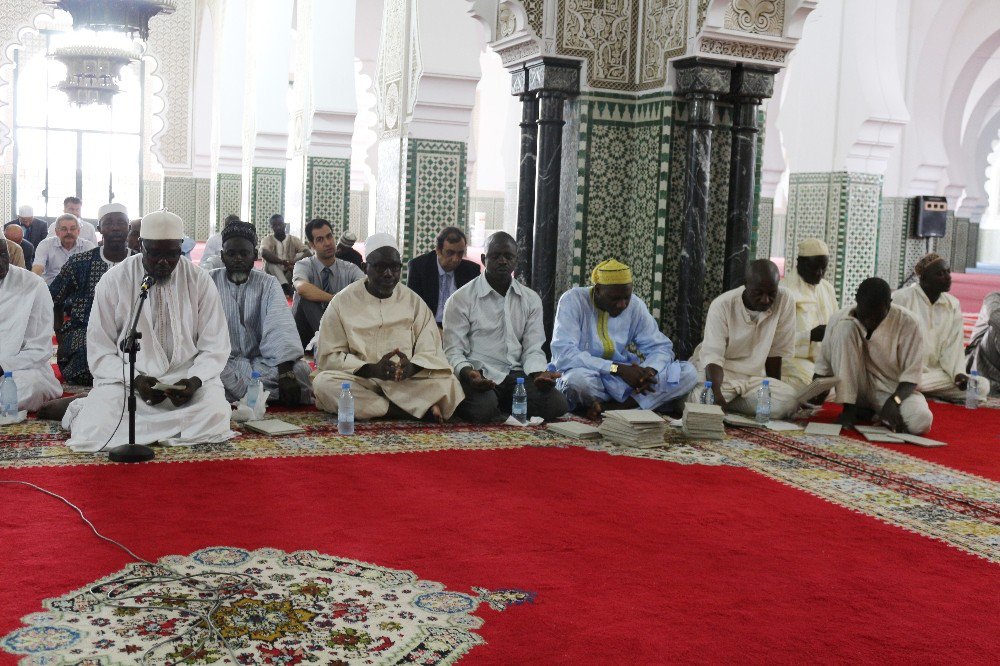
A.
pixel 185 340
pixel 26 334
pixel 815 302
pixel 365 323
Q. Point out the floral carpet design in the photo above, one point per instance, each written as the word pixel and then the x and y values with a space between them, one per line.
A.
pixel 232 606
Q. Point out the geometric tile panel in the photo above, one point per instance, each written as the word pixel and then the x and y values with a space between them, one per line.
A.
pixel 180 196
pixel 203 207
pixel 267 197
pixel 327 190
pixel 7 208
pixel 946 242
pixel 492 209
pixel 972 257
pixel 436 195
pixel 359 214
pixel 890 238
pixel 152 197
pixel 765 224
pixel 843 209
pixel 960 248
pixel 228 194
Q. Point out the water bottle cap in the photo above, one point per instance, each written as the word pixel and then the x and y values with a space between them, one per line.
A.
pixel 345 385
pixel 520 380
pixel 255 375
pixel 8 373
pixel 975 374
pixel 766 383
pixel 708 384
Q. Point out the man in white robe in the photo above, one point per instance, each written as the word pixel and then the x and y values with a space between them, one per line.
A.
pixel 185 342
pixel 381 337
pixel 983 352
pixel 748 331
pixel 940 318
pixel 26 334
pixel 815 303
pixel 875 350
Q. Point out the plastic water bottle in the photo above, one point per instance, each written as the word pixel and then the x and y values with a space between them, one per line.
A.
pixel 674 374
pixel 707 397
pixel 971 391
pixel 8 395
pixel 255 390
pixel 519 410
pixel 345 410
pixel 764 402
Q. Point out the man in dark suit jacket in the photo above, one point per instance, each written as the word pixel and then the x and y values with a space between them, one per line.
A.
pixel 35 230
pixel 15 234
pixel 437 274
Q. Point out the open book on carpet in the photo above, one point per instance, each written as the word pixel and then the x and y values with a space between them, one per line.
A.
pixel 816 387
pixel 273 427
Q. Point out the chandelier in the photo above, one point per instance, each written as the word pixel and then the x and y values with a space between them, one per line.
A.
pixel 129 16
pixel 92 72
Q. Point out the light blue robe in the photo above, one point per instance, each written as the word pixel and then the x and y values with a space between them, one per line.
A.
pixel 578 354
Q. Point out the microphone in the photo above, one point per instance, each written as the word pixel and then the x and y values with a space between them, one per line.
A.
pixel 147 282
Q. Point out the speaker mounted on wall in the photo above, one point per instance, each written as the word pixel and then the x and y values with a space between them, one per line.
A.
pixel 930 217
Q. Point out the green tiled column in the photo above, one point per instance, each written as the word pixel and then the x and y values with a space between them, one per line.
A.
pixel 436 193
pixel 228 193
pixel 267 196
pixel 328 191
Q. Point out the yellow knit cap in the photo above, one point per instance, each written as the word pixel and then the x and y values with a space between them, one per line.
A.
pixel 611 271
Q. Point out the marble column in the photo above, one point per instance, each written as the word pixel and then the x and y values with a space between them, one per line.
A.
pixel 528 165
pixel 553 80
pixel 699 82
pixel 750 86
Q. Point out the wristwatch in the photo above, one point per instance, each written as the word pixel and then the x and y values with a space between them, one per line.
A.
pixel 613 369
pixel 896 399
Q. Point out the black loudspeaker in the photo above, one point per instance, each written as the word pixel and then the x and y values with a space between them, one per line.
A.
pixel 930 217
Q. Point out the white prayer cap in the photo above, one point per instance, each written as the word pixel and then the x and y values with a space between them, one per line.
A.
pixel 25 211
pixel 378 241
pixel 111 208
pixel 813 247
pixel 161 225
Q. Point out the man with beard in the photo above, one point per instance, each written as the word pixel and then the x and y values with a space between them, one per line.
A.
pixel 875 350
pixel 940 317
pixel 748 331
pixel 185 344
pixel 261 329
pixel 610 350
pixel 493 336
pixel 381 337
pixel 815 302
pixel 53 252
pixel 280 252
pixel 73 292
pixel 26 334
pixel 318 278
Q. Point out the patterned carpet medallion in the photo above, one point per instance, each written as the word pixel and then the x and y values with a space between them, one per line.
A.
pixel 233 606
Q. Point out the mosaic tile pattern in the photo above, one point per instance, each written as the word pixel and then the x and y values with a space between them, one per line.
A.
pixel 436 194
pixel 765 224
pixel 327 190
pixel 945 243
pixel 843 209
pixel 180 195
pixel 7 208
pixel 492 208
pixel 203 207
pixel 890 236
pixel 972 258
pixel 152 195
pixel 267 197
pixel 960 248
pixel 359 214
pixel 228 195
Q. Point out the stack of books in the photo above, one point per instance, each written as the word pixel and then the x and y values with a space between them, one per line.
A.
pixel 640 428
pixel 703 421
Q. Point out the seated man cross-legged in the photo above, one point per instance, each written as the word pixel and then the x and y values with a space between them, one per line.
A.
pixel 596 329
pixel 748 331
pixel 261 330
pixel 185 342
pixel 493 335
pixel 940 317
pixel 815 302
pixel 280 251
pixel 983 353
pixel 875 349
pixel 378 335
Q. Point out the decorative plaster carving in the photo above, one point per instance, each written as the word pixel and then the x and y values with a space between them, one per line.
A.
pixel 389 69
pixel 506 22
pixel 703 78
pixel 559 76
pixel 753 83
pixel 605 34
pixel 702 10
pixel 518 52
pixel 664 36
pixel 745 50
pixel 171 44
pixel 534 10
pixel 763 17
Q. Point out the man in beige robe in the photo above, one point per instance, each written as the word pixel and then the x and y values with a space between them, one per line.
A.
pixel 940 318
pixel 381 337
pixel 875 349
pixel 815 303
pixel 748 331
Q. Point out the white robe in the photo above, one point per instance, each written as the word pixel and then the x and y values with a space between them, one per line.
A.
pixel 26 337
pixel 814 305
pixel 200 348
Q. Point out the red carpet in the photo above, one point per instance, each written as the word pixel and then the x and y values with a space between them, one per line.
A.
pixel 632 561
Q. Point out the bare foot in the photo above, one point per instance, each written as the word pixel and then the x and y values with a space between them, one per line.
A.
pixel 54 410
pixel 437 414
pixel 595 411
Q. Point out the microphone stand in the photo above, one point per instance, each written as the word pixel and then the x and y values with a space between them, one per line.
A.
pixel 132 452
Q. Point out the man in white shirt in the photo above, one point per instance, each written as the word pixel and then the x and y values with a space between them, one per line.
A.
pixel 748 331
pixel 73 206
pixel 493 335
pixel 875 350
pixel 211 256
pixel 940 318
pixel 280 251
pixel 53 252
pixel 815 302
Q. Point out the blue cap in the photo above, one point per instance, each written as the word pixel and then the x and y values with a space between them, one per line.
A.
pixel 974 373
pixel 8 373
pixel 254 375
pixel 766 383
pixel 346 385
pixel 708 384
pixel 520 380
